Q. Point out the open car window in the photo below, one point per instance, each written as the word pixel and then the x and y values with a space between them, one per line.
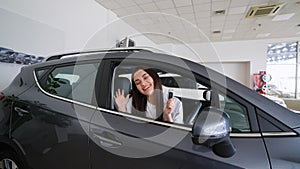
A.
pixel 192 94
pixel 193 91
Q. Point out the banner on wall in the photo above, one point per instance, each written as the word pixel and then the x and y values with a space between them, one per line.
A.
pixel 10 56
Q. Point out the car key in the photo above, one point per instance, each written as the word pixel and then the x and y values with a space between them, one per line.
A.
pixel 171 94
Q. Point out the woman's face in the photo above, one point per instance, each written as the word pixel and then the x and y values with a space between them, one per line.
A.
pixel 143 82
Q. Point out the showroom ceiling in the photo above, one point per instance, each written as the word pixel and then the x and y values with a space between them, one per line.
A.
pixel 191 21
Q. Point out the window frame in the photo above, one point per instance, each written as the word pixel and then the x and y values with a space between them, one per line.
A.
pixel 296 64
pixel 285 130
pixel 154 63
pixel 41 80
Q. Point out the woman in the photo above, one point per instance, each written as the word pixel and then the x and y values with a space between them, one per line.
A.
pixel 149 98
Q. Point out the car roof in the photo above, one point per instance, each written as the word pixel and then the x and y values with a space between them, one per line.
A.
pixel 106 51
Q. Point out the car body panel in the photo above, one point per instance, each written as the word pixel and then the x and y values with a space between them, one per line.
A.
pixel 129 133
pixel 282 152
pixel 42 128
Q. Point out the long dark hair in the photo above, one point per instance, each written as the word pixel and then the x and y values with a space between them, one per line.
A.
pixel 139 101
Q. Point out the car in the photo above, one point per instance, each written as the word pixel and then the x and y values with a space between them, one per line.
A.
pixel 275 91
pixel 27 59
pixel 5 50
pixel 60 113
pixel 7 56
pixel 19 58
pixel 39 59
pixel 36 59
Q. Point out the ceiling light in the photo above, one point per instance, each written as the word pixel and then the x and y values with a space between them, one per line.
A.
pixel 216 32
pixel 220 12
pixel 283 17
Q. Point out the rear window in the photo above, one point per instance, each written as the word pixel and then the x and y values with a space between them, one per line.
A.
pixel 74 82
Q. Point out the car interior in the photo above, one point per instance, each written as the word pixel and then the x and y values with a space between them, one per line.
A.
pixel 192 97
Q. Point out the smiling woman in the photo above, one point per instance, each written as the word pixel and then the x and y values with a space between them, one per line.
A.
pixel 148 98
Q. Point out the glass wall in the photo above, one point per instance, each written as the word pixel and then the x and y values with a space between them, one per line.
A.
pixel 283 66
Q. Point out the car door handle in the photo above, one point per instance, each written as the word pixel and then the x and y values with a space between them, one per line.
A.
pixel 107 142
pixel 21 112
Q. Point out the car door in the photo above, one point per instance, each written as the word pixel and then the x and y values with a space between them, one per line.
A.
pixel 281 141
pixel 50 120
pixel 123 140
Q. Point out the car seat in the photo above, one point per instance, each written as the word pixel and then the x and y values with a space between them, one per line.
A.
pixel 190 119
pixel 64 89
pixel 122 83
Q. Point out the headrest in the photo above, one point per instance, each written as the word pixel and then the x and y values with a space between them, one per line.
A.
pixel 178 82
pixel 122 83
pixel 64 89
pixel 64 81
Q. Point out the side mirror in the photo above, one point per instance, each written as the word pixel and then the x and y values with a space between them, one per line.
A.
pixel 212 128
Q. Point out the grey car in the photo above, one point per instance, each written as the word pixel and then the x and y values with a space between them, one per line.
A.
pixel 61 114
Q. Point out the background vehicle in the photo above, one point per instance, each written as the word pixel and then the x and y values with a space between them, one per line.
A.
pixel 20 58
pixel 36 59
pixel 61 114
pixel 7 55
pixel 39 59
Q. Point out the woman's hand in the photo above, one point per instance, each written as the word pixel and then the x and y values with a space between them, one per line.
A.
pixel 168 109
pixel 121 100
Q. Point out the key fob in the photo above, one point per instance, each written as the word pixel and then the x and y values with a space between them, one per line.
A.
pixel 171 94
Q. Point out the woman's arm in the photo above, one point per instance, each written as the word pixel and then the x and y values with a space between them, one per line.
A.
pixel 178 112
pixel 173 111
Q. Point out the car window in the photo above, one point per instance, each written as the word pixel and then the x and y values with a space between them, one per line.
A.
pixel 270 124
pixel 41 72
pixel 186 89
pixel 74 82
pixel 194 91
pixel 237 112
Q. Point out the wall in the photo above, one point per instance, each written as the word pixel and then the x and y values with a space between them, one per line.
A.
pixel 29 36
pixel 58 26
pixel 293 104
pixel 237 70
pixel 44 28
pixel 253 52
pixel 8 72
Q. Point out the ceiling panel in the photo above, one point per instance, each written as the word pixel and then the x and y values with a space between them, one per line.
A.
pixel 220 20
